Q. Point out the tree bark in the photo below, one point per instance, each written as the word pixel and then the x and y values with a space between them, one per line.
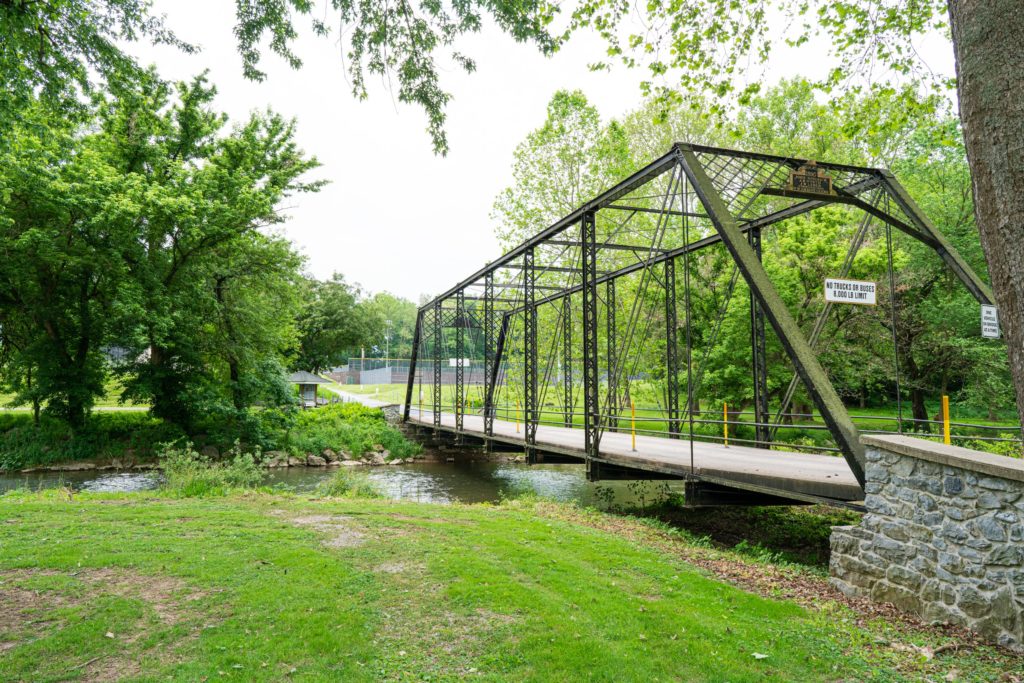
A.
pixel 919 411
pixel 988 42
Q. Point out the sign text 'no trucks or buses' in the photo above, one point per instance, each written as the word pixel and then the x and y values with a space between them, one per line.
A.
pixel 850 292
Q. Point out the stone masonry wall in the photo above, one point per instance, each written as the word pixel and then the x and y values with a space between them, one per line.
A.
pixel 943 536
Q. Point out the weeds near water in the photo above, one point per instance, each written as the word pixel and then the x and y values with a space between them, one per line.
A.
pixel 348 484
pixel 190 474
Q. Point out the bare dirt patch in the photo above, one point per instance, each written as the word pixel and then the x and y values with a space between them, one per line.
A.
pixel 341 530
pixel 106 669
pixel 409 569
pixel 30 612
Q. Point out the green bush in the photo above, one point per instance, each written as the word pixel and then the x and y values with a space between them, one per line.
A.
pixel 348 484
pixel 347 427
pixel 106 435
pixel 1012 449
pixel 190 474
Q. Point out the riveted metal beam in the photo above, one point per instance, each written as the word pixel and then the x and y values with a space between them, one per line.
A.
pixel 567 358
pixel 438 338
pixel 671 351
pixel 591 410
pixel 758 357
pixel 799 351
pixel 947 252
pixel 612 361
pixel 460 357
pixel 530 408
pixel 413 361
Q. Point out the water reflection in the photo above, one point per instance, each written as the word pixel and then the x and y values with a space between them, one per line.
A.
pixel 466 482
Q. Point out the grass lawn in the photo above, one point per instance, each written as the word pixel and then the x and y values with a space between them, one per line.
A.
pixel 261 587
pixel 109 401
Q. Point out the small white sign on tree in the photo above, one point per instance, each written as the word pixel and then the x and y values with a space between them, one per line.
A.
pixel 989 321
pixel 850 292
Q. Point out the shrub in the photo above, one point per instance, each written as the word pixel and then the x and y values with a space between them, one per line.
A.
pixel 1010 448
pixel 348 484
pixel 188 473
pixel 106 435
pixel 347 427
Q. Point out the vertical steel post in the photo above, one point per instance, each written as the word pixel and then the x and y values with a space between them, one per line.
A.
pixel 613 364
pixel 530 408
pixel 567 360
pixel 460 355
pixel 671 351
pixel 758 356
pixel 488 353
pixel 411 381
pixel 499 351
pixel 591 410
pixel 438 336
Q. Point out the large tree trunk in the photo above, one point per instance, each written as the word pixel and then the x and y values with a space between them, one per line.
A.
pixel 988 41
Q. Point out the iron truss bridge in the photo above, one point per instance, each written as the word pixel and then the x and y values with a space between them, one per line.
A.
pixel 554 335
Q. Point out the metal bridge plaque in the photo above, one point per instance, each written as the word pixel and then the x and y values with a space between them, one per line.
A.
pixel 810 179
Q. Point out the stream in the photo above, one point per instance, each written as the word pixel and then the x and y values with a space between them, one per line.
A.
pixel 433 482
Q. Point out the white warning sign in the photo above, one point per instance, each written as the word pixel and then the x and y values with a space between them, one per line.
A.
pixel 989 322
pixel 850 292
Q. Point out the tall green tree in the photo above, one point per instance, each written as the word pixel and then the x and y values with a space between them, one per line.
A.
pixel 383 308
pixel 63 218
pixel 332 324
pixel 565 161
pixel 202 195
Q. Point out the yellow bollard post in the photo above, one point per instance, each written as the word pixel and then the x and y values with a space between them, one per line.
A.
pixel 725 423
pixel 945 421
pixel 517 416
pixel 632 422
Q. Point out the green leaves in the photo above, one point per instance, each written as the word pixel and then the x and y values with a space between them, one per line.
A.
pixel 145 228
pixel 395 41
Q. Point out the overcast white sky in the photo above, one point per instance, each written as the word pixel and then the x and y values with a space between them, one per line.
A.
pixel 396 217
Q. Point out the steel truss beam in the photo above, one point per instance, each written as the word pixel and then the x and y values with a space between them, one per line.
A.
pixel 567 398
pixel 608 245
pixel 758 357
pixel 489 407
pixel 488 350
pixel 460 355
pixel 947 252
pixel 671 351
pixel 438 336
pixel 660 212
pixel 530 409
pixel 591 414
pixel 612 401
pixel 800 353
pixel 414 358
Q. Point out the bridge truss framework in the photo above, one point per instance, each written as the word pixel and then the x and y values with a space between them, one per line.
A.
pixel 690 199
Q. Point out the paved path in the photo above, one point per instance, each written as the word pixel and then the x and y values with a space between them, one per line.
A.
pixel 754 468
pixel 366 399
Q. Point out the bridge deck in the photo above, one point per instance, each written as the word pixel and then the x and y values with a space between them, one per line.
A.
pixel 803 476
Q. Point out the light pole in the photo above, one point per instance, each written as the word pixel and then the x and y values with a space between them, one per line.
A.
pixel 387 343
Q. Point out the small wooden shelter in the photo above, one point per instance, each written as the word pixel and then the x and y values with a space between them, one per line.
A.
pixel 308 386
